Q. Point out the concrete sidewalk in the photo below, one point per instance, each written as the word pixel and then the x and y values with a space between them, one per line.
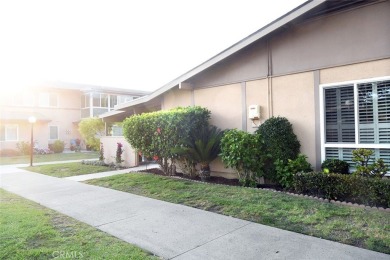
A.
pixel 86 177
pixel 169 230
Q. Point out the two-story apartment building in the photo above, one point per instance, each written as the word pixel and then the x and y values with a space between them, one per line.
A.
pixel 58 108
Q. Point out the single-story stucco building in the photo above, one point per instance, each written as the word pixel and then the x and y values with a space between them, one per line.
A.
pixel 325 66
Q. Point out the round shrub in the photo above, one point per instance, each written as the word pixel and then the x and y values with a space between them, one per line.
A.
pixel 335 166
pixel 280 141
pixel 57 147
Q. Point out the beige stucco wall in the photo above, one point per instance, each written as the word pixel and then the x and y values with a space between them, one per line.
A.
pixel 358 71
pixel 177 98
pixel 64 119
pixel 293 98
pixel 224 103
pixel 257 94
pixel 110 145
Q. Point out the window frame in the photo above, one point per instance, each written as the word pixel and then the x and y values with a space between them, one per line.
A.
pixel 58 132
pixel 357 143
pixel 6 127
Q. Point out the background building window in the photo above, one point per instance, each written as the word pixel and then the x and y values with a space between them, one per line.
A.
pixel 53 132
pixel 96 99
pixel 48 100
pixel 113 101
pixel 103 100
pixel 122 99
pixel 9 132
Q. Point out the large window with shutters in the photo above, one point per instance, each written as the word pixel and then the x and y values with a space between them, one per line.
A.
pixel 355 115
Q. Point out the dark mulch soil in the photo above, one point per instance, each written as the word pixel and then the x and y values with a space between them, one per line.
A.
pixel 213 179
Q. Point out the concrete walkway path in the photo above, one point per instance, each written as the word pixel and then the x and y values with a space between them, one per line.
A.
pixel 169 230
pixel 86 177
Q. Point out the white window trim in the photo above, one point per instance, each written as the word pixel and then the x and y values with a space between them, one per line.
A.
pixel 322 117
pixel 58 133
pixel 5 133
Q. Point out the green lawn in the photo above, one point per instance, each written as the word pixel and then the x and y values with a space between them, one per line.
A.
pixel 30 231
pixel 359 227
pixel 67 169
pixel 48 158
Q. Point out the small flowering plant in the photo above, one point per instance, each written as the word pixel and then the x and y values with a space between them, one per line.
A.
pixel 101 153
pixel 119 151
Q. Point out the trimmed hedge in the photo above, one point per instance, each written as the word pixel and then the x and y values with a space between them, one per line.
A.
pixel 159 134
pixel 335 166
pixel 350 188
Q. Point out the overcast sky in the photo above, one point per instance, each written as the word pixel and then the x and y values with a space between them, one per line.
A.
pixel 140 44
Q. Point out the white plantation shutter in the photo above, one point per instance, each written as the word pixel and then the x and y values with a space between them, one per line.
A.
pixel 383 90
pixel 385 155
pixel 374 112
pixel 340 115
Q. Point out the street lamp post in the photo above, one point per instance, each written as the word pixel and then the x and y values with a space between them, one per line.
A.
pixel 32 120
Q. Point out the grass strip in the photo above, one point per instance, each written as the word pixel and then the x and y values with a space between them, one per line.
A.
pixel 355 226
pixel 30 231
pixel 38 158
pixel 67 169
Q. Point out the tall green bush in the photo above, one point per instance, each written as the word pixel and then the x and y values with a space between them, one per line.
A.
pixel 280 141
pixel 91 129
pixel 158 134
pixel 245 153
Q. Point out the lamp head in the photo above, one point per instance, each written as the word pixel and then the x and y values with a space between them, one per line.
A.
pixel 32 119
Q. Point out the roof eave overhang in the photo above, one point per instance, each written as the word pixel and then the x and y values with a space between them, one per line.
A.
pixel 278 23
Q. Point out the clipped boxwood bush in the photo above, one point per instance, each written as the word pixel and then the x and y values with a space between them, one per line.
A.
pixel 280 141
pixel 351 188
pixel 57 147
pixel 335 166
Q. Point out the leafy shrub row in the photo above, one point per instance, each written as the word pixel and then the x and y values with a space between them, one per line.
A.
pixel 350 188
pixel 335 166
pixel 245 153
pixel 270 152
pixel 159 134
